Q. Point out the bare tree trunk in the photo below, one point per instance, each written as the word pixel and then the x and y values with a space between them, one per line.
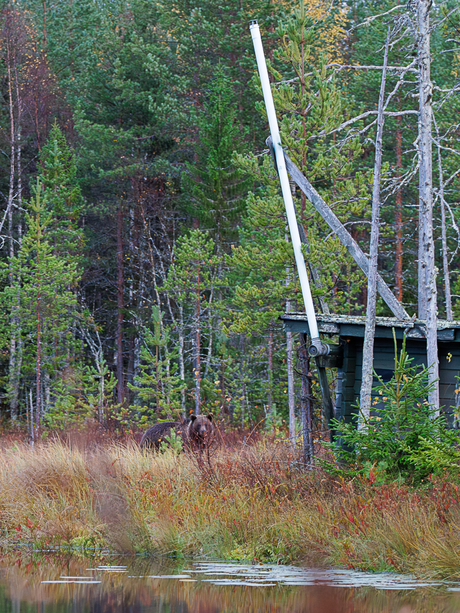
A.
pixel 208 366
pixel 198 347
pixel 369 332
pixel 120 304
pixel 47 396
pixel 162 330
pixel 13 348
pixel 181 358
pixel 398 217
pixel 39 354
pixel 98 353
pixel 445 260
pixel 427 269
pixel 270 372
pixel 290 360
pixel 32 425
pixel 12 150
pixel 16 373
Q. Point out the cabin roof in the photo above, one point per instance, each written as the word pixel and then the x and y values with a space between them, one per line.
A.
pixel 353 325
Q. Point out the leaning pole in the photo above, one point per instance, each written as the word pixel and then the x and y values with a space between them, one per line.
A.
pixel 317 347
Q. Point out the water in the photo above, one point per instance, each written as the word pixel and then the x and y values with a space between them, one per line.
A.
pixel 52 583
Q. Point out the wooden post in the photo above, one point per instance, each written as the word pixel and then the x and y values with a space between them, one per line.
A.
pixel 306 403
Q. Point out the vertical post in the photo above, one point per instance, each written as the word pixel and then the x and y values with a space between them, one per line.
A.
pixel 328 409
pixel 306 404
pixel 445 261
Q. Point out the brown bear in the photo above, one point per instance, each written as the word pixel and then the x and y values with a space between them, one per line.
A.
pixel 154 436
pixel 196 433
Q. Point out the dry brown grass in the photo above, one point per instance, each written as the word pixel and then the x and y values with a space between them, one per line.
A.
pixel 252 502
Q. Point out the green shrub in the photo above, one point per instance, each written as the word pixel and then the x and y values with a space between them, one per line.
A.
pixel 404 437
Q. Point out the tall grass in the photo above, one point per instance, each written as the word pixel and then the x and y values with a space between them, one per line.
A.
pixel 254 503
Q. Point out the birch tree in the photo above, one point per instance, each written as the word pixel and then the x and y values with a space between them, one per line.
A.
pixel 369 333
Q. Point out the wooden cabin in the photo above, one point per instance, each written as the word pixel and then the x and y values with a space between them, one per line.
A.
pixel 346 334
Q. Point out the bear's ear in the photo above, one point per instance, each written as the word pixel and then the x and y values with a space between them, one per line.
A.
pixel 210 416
pixel 193 417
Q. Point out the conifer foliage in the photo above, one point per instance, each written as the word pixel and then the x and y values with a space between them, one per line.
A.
pixel 144 253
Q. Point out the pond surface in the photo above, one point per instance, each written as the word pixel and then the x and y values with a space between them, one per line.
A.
pixel 56 583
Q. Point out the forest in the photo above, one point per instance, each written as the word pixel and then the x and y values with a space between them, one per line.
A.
pixel 145 259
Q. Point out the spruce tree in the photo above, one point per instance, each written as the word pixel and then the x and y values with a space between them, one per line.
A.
pixel 213 188
pixel 45 304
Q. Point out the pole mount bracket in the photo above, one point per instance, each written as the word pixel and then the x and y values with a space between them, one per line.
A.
pixel 317 349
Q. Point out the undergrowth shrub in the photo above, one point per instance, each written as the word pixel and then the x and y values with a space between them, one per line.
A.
pixel 403 438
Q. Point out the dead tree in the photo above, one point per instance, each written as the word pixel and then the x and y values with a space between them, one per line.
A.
pixel 369 333
pixel 427 306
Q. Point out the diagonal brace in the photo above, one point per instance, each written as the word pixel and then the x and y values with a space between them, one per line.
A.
pixel 344 236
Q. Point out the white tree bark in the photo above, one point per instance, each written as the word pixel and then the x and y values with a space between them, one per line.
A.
pixel 290 368
pixel 369 333
pixel 427 269
pixel 445 257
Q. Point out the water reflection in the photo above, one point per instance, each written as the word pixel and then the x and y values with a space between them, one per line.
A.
pixel 50 583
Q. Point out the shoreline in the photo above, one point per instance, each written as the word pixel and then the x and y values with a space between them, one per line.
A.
pixel 248 505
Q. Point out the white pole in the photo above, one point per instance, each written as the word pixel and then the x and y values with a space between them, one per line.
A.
pixel 318 347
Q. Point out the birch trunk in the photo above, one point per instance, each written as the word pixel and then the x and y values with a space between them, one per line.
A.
pixel 398 217
pixel 445 260
pixel 290 361
pixel 159 304
pixel 32 426
pixel 427 270
pixel 39 351
pixel 120 304
pixel 13 318
pixel 369 332
pixel 182 359
pixel 198 358
pixel 15 374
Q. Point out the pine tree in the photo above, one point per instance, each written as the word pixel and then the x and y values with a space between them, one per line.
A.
pixel 258 290
pixel 46 309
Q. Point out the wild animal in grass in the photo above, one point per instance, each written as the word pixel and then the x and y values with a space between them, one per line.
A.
pixel 197 433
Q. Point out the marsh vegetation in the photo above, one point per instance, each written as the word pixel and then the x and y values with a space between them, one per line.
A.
pixel 252 502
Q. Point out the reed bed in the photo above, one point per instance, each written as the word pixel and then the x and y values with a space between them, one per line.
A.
pixel 253 503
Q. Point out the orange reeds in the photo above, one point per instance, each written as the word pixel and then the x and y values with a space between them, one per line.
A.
pixel 254 502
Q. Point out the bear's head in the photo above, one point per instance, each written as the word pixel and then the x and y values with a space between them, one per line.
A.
pixel 201 428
